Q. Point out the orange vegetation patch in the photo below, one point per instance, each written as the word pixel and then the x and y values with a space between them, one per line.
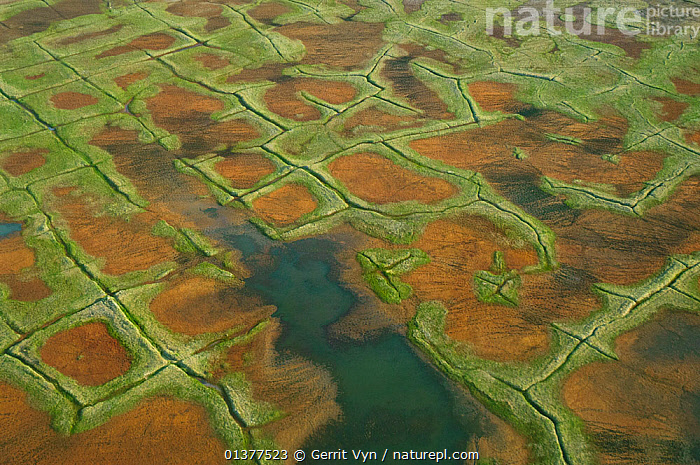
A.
pixel 158 430
pixel 17 270
pixel 305 393
pixel 244 170
pixel 267 12
pixel 15 254
pixel 624 250
pixel 137 249
pixel 127 79
pixel 87 353
pixel 188 115
pixel 285 205
pixel 643 409
pixel 72 100
pixel 461 247
pixel 335 92
pixel 489 151
pixel 686 87
pixel 495 96
pixel 20 163
pixel 201 9
pixel 373 119
pixel 197 305
pixel 342 45
pixel 377 179
pixel 694 138
pixel 155 41
pixel 283 98
pixel 211 61
pixel 671 109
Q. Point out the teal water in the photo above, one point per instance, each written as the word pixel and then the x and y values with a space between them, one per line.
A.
pixel 391 398
pixel 8 228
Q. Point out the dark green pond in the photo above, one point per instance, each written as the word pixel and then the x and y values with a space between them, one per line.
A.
pixel 8 228
pixel 391 398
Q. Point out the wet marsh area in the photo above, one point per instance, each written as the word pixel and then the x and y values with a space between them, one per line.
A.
pixel 210 213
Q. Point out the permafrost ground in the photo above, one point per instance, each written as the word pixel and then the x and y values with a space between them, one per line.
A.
pixel 526 206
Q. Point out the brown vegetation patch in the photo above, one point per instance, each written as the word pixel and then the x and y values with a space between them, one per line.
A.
pixel 268 71
pixel 671 109
pixel 30 290
pixel 416 50
pixel 195 9
pixel 457 250
pixel 137 249
pixel 344 45
pixel 211 61
pixel 90 35
pixel 39 19
pixel 127 79
pixel 447 18
pixel 201 9
pixel 196 305
pixel 158 430
pixel 499 32
pixel 87 353
pixel 686 87
pixel 155 41
pixel 411 6
pixel 18 269
pixel 495 96
pixel 267 12
pixel 406 86
pixel 35 77
pixel 244 170
pixel 354 4
pixel 592 245
pixel 632 47
pixel 489 151
pixel 20 163
pixel 173 196
pixel 377 179
pixel 72 100
pixel 643 409
pixel 285 205
pixel 188 115
pixel 305 393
